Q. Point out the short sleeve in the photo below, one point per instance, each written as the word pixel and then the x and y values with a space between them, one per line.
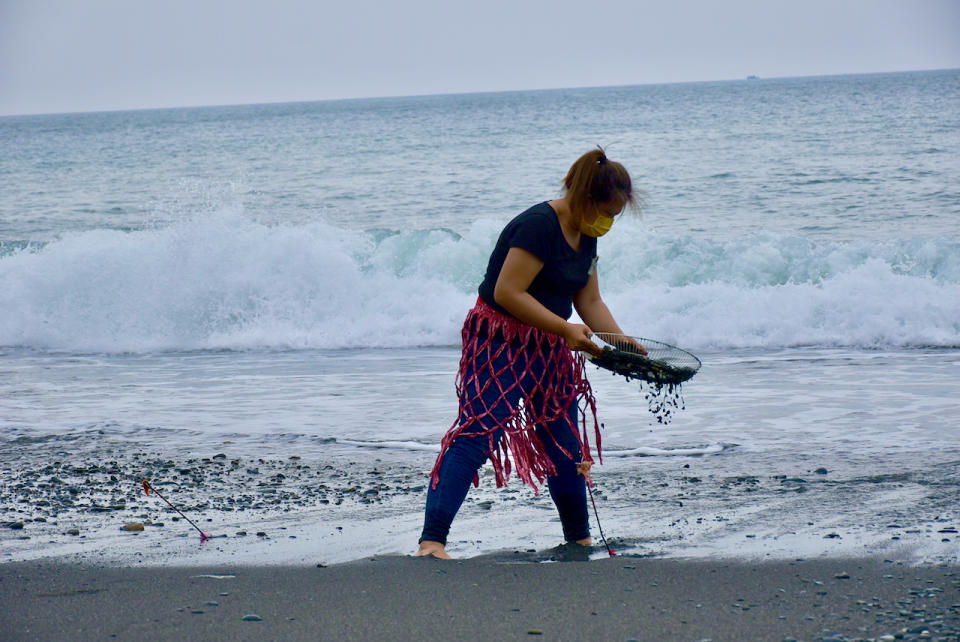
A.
pixel 532 233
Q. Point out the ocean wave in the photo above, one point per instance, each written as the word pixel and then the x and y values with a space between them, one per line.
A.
pixel 649 451
pixel 227 282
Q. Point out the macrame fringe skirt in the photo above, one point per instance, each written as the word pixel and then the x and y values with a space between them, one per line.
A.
pixel 514 378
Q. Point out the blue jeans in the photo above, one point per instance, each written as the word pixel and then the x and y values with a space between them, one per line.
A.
pixel 467 454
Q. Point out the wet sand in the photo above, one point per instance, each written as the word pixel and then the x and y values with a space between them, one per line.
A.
pixel 488 598
pixel 68 569
pixel 70 501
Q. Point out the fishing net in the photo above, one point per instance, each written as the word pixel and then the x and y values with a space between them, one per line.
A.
pixel 662 369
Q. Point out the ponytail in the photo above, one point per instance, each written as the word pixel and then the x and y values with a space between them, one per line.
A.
pixel 594 179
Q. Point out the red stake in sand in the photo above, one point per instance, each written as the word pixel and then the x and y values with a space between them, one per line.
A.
pixel 584 469
pixel 597 515
pixel 147 488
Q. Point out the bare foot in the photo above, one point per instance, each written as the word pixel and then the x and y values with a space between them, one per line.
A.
pixel 432 548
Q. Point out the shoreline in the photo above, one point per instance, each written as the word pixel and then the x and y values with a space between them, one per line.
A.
pixel 352 505
pixel 490 597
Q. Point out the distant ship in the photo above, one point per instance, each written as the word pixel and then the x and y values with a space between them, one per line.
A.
pixel 753 77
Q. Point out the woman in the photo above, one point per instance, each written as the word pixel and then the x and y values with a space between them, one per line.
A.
pixel 519 378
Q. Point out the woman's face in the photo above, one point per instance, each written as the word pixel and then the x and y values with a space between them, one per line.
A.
pixel 599 221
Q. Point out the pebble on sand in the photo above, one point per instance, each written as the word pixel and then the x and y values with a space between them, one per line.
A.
pixel 252 617
pixel 132 526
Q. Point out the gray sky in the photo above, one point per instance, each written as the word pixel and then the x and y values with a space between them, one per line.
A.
pixel 88 55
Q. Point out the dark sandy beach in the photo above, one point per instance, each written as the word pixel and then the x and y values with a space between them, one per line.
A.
pixel 500 597
pixel 73 573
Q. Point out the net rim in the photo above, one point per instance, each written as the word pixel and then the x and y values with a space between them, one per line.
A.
pixel 677 364
pixel 646 342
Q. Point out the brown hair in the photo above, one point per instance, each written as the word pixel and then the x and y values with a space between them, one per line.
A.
pixel 594 179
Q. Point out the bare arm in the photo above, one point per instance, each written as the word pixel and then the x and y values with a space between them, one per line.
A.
pixel 519 269
pixel 591 308
pixel 594 311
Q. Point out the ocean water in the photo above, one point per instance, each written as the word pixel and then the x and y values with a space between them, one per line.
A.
pixel 289 280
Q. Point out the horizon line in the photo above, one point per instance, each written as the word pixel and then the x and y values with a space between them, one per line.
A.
pixel 465 93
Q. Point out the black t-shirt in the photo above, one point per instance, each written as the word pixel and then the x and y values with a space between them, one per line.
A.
pixel 565 271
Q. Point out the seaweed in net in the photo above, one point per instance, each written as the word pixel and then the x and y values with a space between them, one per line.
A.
pixel 660 370
pixel 660 388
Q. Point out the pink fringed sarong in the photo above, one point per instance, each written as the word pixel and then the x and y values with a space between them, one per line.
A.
pixel 490 334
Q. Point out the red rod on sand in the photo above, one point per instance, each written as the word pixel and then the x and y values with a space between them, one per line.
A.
pixel 147 488
pixel 610 550
pixel 584 469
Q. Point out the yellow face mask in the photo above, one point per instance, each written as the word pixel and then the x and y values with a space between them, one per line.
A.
pixel 600 226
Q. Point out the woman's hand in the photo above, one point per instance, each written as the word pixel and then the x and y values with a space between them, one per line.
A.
pixel 578 336
pixel 594 311
pixel 632 345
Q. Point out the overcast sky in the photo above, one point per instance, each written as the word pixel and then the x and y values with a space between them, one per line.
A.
pixel 88 55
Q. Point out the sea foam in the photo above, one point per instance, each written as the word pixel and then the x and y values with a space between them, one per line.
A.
pixel 228 282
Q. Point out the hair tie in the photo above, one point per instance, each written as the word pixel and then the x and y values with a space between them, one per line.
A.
pixel 603 155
